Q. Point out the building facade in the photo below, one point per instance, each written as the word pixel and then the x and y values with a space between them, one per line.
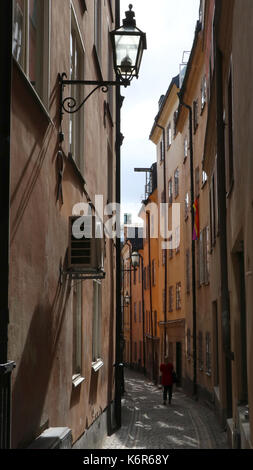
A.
pixel 61 329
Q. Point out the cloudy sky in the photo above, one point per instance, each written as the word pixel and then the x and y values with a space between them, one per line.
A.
pixel 169 26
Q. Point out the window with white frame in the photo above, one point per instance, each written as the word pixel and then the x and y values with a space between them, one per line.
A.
pixel 30 42
pixel 176 182
pixel 77 332
pixel 97 312
pixel 185 148
pixel 203 92
pixel 169 136
pixel 76 73
pixel 186 206
pixel 170 188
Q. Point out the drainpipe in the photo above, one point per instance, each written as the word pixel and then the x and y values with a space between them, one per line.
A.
pixel 194 309
pixel 119 338
pixel 6 366
pixel 143 314
pixel 165 267
pixel 150 296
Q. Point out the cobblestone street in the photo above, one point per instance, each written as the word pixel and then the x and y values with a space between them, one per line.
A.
pixel 148 424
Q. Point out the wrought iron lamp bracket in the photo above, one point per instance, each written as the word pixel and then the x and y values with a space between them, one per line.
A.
pixel 69 104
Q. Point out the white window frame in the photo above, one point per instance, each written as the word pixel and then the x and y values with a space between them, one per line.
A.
pixel 77 377
pixel 97 362
pixel 42 91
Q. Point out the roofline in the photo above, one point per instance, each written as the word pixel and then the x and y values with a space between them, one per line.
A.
pixel 174 81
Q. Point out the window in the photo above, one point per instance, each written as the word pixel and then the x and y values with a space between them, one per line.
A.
pixel 135 351
pixel 96 330
pixel 204 256
pixel 185 148
pixel 170 191
pixel 30 42
pixel 171 299
pixel 77 333
pixel 176 182
pixel 161 151
pixel 163 256
pixel 208 354
pixel 204 178
pixel 195 115
pixel 203 92
pixel 188 271
pixel 178 296
pixel 175 123
pixel 97 26
pixel 186 206
pixel 145 278
pixel 76 73
pixel 139 312
pixel 212 201
pixel 188 344
pixel 135 312
pixel 201 362
pixel 169 136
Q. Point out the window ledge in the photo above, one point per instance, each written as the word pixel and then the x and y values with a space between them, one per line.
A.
pixel 33 91
pixel 97 365
pixel 77 379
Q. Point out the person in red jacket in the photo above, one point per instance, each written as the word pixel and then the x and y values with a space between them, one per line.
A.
pixel 167 381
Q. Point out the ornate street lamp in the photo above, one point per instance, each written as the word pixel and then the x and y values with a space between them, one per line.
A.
pixel 127 298
pixel 128 44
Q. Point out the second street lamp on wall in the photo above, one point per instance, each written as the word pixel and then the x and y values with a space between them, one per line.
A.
pixel 135 259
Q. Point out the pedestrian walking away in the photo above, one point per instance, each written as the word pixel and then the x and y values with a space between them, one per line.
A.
pixel 167 379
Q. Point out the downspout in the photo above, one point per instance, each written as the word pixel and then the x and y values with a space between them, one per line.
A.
pixel 6 367
pixel 143 316
pixel 165 231
pixel 150 296
pixel 118 339
pixel 194 305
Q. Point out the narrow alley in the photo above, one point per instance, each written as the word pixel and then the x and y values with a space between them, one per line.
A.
pixel 148 424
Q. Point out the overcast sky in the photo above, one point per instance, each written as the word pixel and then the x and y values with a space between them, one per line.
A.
pixel 169 26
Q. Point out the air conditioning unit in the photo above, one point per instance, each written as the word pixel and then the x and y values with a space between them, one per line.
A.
pixel 86 241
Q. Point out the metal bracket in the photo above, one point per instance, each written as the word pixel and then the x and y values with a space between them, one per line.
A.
pixel 69 104
pixel 81 275
pixel 7 368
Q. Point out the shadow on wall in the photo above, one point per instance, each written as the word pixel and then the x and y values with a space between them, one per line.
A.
pixel 35 367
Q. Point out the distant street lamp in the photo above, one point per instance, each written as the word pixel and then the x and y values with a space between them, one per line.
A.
pixel 127 299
